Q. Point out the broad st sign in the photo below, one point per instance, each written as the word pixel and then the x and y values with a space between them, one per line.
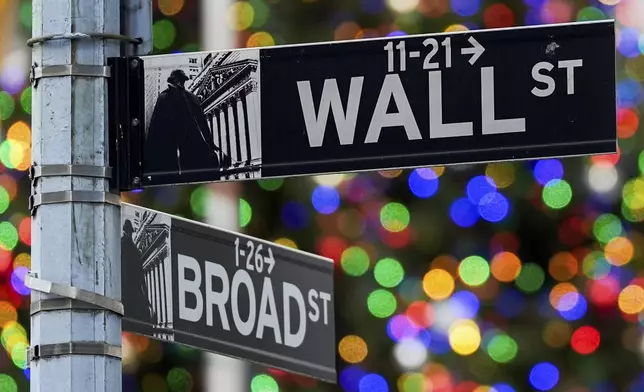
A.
pixel 225 292
pixel 396 102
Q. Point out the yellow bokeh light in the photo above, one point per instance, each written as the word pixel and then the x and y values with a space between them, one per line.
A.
pixel 286 242
pixel 501 173
pixel 170 7
pixel 353 349
pixel 19 132
pixel 330 179
pixel 390 173
pixel 633 194
pixel 261 38
pixel 464 337
pixel 438 284
pixel 455 28
pixel 631 299
pixel 483 388
pixel 8 313
pixel 240 15
pixel 505 266
pixel 619 251
pixel 22 260
pixel 402 5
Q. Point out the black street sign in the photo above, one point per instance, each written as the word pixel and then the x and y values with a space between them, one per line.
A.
pixel 397 102
pixel 197 285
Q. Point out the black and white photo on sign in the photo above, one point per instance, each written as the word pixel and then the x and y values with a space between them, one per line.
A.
pixel 147 270
pixel 203 114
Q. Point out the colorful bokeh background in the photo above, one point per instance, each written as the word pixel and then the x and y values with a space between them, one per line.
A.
pixel 503 277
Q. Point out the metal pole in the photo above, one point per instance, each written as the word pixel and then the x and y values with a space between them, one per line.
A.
pixel 221 373
pixel 75 346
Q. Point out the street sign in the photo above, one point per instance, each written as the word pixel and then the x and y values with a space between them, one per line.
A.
pixel 396 102
pixel 225 292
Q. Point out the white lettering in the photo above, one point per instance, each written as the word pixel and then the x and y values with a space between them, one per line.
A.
pixel 345 123
pixel 242 277
pixel 570 73
pixel 268 319
pixel 436 127
pixel 392 87
pixel 326 297
pixel 189 286
pixel 291 291
pixel 314 313
pixel 217 298
pixel 491 125
pixel 538 77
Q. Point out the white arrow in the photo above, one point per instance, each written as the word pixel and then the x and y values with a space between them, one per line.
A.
pixel 476 50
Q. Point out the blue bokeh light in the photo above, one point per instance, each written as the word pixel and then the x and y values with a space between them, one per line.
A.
pixel 510 302
pixel 465 7
pixel 373 383
pixel 494 207
pixel 439 343
pixel 575 312
pixel 350 378
pixel 423 182
pixel 629 93
pixel 502 387
pixel 547 170
pixel 400 327
pixel 544 376
pixel 294 215
pixel 463 212
pixel 373 6
pixel 424 337
pixel 535 3
pixel 325 199
pixel 628 44
pixel 464 305
pixel 18 280
pixel 478 187
pixel 397 33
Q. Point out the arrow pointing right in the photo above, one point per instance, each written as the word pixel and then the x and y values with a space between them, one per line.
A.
pixel 476 50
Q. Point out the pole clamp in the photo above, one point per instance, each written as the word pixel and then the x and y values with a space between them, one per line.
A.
pixel 42 351
pixel 53 71
pixel 78 36
pixel 72 196
pixel 70 170
pixel 52 304
pixel 61 290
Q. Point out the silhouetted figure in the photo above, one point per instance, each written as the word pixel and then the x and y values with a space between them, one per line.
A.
pixel 134 285
pixel 179 137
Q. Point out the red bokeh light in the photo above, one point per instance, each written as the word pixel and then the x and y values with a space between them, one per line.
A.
pixel 585 340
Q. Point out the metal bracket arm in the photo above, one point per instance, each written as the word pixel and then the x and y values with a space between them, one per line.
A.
pixel 72 348
pixel 70 170
pixel 53 71
pixel 72 196
pixel 65 291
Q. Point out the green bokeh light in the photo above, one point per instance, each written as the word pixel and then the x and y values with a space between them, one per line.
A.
pixel 607 227
pixel 7 383
pixel 7 105
pixel 245 212
pixel 355 261
pixel 530 278
pixel 474 270
pixel 595 265
pixel 19 355
pixel 640 161
pixel 8 236
pixel 502 348
pixel 414 382
pixel 164 33
pixel 271 184
pixel 179 380
pixel 25 100
pixel 394 217
pixel 590 13
pixel 557 194
pixel 381 303
pixel 388 272
pixel 262 13
pixel 5 199
pixel 25 13
pixel 198 199
pixel 264 383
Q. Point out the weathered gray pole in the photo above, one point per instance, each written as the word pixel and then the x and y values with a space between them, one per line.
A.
pixel 75 347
